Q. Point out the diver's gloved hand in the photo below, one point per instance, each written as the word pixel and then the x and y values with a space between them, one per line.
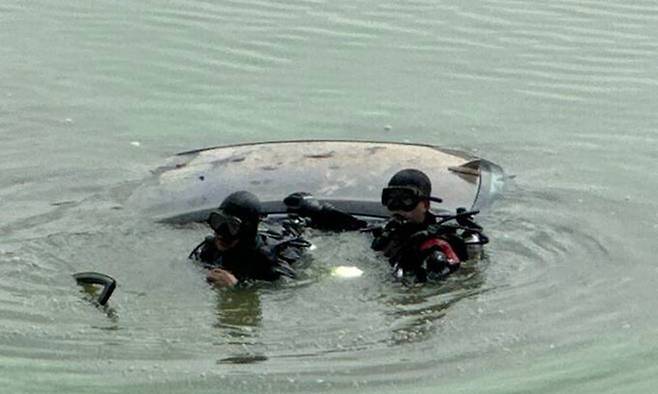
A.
pixel 323 215
pixel 303 203
pixel 385 235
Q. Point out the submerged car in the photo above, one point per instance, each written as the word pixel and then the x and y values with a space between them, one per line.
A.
pixel 348 174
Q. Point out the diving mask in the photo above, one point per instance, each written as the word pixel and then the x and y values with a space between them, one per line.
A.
pixel 225 225
pixel 403 198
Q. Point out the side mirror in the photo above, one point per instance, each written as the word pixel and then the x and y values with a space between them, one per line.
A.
pixel 96 278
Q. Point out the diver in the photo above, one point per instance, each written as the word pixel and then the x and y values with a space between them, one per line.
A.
pixel 238 252
pixel 418 244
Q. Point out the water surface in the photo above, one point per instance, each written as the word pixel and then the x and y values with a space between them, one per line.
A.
pixel 562 95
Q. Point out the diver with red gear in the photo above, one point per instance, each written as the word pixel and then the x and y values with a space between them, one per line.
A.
pixel 417 243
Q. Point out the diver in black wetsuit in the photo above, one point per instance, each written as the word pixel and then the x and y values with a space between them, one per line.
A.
pixel 238 252
pixel 417 243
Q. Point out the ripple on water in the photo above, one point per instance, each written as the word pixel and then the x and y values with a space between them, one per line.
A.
pixel 324 327
pixel 557 266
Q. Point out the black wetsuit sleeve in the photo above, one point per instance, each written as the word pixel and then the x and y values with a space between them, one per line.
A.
pixel 323 215
pixel 332 219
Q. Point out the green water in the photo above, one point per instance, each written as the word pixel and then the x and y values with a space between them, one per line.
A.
pixel 94 95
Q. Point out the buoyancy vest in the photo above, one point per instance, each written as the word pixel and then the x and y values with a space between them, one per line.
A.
pixel 268 257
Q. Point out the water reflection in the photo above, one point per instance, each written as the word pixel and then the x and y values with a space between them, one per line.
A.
pixel 243 359
pixel 90 293
pixel 417 309
pixel 239 316
pixel 239 311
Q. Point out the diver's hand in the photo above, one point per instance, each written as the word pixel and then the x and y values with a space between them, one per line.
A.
pixel 221 278
pixel 302 203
